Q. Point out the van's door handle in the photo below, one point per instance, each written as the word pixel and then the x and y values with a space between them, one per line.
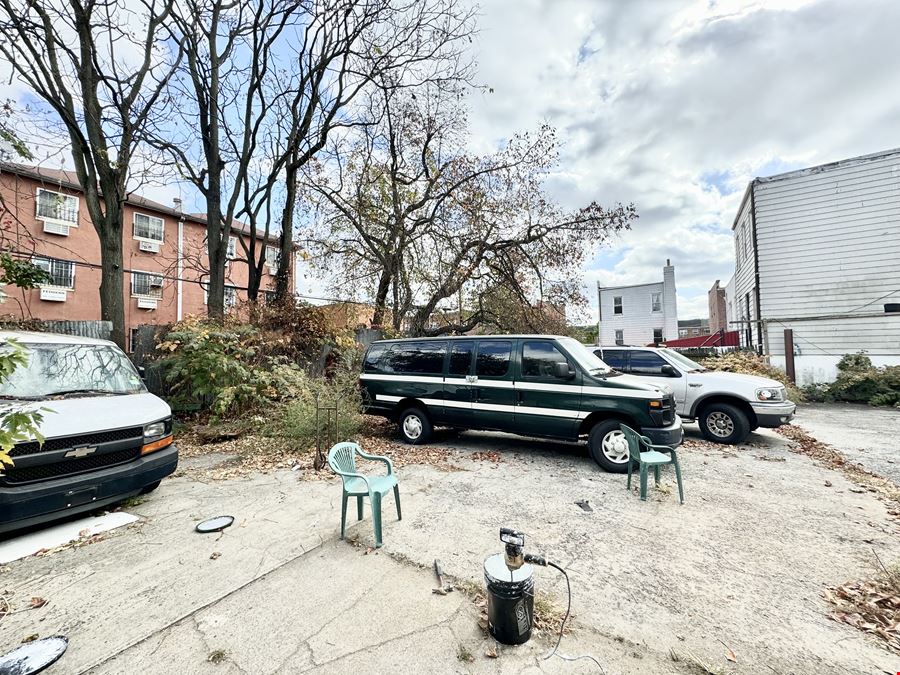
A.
pixel 519 396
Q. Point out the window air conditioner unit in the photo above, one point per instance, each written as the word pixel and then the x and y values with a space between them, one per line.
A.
pixel 146 303
pixel 56 228
pixel 53 294
pixel 149 246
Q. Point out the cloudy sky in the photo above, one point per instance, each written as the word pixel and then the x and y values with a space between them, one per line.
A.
pixel 673 105
pixel 676 105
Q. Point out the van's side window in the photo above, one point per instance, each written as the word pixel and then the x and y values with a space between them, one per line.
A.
pixel 420 358
pixel 646 363
pixel 461 358
pixel 539 360
pixel 614 358
pixel 370 365
pixel 493 358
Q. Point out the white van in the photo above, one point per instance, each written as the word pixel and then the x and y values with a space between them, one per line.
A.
pixel 106 438
pixel 727 406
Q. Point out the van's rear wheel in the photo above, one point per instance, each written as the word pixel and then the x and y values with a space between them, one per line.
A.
pixel 724 423
pixel 608 446
pixel 415 427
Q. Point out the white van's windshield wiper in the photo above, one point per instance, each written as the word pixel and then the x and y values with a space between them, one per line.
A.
pixel 14 397
pixel 67 392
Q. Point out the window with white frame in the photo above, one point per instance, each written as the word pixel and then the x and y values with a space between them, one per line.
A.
pixel 57 207
pixel 657 335
pixel 656 302
pixel 617 304
pixel 62 272
pixel 620 337
pixel 148 227
pixel 146 284
pixel 272 255
pixel 231 253
pixel 230 296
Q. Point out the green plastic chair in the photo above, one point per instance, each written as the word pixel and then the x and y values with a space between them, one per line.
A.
pixel 654 456
pixel 342 460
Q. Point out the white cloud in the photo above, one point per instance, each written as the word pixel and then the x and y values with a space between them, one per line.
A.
pixel 676 107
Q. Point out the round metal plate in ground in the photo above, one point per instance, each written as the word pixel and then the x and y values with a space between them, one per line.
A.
pixel 216 524
pixel 33 657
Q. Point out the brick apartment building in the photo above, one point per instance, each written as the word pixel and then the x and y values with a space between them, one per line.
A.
pixel 45 217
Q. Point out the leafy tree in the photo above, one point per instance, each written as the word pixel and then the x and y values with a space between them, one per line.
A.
pixel 17 423
pixel 406 209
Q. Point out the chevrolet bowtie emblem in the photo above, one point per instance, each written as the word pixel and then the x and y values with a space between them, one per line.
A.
pixel 81 452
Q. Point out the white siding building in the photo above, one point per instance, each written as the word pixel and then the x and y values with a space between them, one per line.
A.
pixel 640 314
pixel 818 251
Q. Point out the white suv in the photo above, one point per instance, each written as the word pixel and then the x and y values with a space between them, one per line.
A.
pixel 727 406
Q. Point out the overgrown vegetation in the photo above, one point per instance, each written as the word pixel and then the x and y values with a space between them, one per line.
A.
pixel 750 363
pixel 871 605
pixel 858 381
pixel 276 372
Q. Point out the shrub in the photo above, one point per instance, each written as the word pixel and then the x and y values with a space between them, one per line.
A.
pixel 858 381
pixel 297 419
pixel 227 366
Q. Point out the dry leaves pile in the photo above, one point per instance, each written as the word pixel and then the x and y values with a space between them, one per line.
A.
pixel 805 444
pixel 870 605
pixel 252 453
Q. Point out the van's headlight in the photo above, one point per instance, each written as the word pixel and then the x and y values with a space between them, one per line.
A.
pixel 770 394
pixel 156 429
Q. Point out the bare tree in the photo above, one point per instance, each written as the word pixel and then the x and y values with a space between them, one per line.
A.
pixel 99 66
pixel 404 208
pixel 269 80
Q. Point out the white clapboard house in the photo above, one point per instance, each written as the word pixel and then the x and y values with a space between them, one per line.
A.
pixel 818 252
pixel 640 314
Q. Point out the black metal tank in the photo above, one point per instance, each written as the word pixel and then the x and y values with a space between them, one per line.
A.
pixel 510 600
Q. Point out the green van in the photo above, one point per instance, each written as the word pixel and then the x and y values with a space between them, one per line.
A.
pixel 534 385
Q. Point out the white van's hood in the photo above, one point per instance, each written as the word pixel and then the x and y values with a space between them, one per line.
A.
pixel 640 383
pixel 88 414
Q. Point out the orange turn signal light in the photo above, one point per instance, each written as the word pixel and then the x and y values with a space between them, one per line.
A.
pixel 656 404
pixel 157 445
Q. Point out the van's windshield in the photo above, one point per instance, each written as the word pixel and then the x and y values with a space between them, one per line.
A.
pixel 589 361
pixel 66 370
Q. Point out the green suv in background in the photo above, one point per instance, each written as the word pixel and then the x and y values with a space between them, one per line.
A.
pixel 533 385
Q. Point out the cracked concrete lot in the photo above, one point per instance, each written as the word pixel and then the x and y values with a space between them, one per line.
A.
pixel 737 571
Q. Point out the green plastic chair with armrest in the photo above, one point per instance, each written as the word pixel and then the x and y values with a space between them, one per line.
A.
pixel 342 460
pixel 645 454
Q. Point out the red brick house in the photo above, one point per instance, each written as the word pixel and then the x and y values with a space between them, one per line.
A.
pixel 44 217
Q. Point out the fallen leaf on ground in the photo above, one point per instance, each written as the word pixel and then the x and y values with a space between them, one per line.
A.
pixel 491 652
pixel 215 555
pixel 30 638
pixel 36 603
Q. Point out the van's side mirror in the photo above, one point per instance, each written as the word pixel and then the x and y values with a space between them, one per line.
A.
pixel 670 371
pixel 563 371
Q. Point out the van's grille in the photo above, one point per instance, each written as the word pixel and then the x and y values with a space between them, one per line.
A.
pixel 68 467
pixel 66 442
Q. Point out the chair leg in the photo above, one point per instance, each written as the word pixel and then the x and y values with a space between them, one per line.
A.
pixel 656 474
pixel 678 478
pixel 375 497
pixel 343 513
pixel 643 482
pixel 630 468
pixel 359 507
pixel 397 500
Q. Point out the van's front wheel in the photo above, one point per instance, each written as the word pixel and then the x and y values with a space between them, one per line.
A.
pixel 415 427
pixel 608 446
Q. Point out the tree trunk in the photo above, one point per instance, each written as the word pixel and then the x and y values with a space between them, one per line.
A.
pixel 381 293
pixel 286 242
pixel 112 295
pixel 216 248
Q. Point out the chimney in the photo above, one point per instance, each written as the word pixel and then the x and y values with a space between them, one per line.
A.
pixel 177 202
